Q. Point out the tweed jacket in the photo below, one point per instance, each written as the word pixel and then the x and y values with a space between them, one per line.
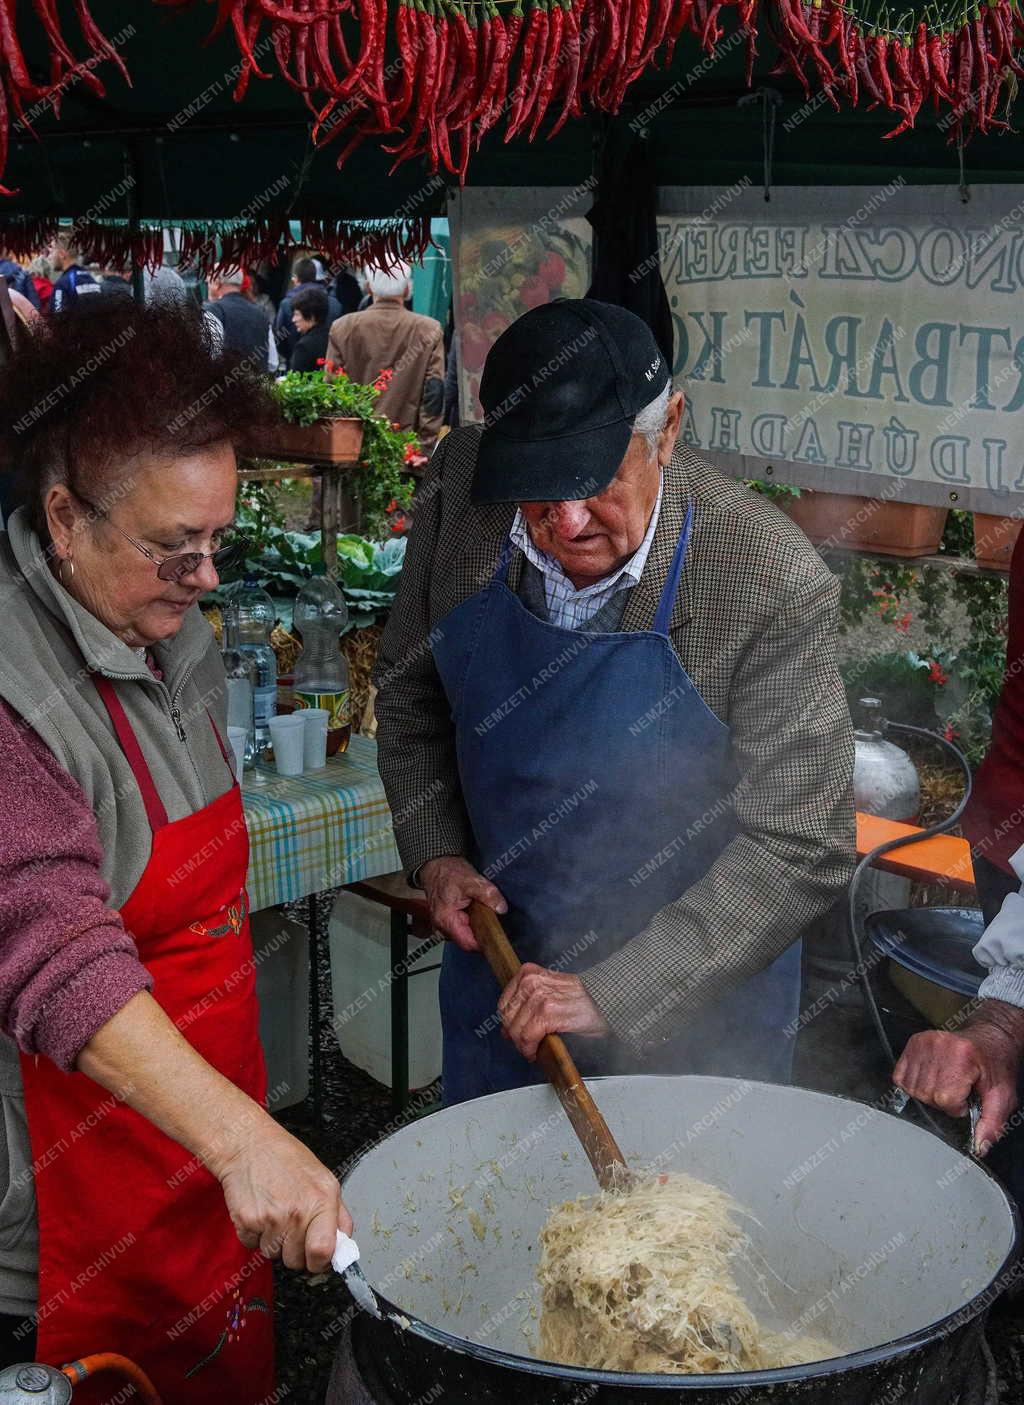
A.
pixel 754 625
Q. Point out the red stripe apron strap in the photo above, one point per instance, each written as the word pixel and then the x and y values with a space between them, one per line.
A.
pixel 223 749
pixel 155 811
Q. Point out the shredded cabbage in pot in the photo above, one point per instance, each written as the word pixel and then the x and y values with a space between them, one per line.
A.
pixel 642 1280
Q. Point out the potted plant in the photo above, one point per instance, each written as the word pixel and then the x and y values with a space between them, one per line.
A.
pixel 995 536
pixel 318 420
pixel 867 524
pixel 336 421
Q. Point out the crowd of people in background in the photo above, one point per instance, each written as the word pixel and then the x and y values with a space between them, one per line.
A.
pixel 356 321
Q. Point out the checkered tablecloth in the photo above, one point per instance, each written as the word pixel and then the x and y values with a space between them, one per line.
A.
pixel 318 831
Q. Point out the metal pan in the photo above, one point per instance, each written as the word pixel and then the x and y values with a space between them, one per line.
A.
pixel 884 1240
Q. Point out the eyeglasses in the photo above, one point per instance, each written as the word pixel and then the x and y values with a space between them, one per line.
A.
pixel 174 568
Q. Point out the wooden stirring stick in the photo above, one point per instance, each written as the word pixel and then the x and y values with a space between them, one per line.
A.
pixel 554 1058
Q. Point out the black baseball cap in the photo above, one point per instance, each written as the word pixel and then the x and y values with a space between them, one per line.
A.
pixel 560 390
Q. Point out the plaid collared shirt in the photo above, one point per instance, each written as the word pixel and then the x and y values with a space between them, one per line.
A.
pixel 568 607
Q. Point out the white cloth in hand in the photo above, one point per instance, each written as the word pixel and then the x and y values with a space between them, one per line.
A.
pixel 346 1252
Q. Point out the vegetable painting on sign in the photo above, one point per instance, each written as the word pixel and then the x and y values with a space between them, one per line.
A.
pixel 508 267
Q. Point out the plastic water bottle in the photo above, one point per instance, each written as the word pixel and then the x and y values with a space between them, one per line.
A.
pixel 256 618
pixel 240 668
pixel 321 672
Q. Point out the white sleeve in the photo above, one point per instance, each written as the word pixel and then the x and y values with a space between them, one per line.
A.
pixel 273 360
pixel 1001 949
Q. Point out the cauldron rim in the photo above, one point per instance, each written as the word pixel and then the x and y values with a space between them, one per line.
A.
pixel 402 1321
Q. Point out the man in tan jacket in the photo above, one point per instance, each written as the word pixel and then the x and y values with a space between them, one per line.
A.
pixel 388 337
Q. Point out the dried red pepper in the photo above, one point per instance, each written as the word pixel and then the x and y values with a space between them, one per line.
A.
pixel 638 20
pixel 878 50
pixel 711 33
pixel 947 65
pixel 680 19
pixel 550 68
pixel 613 44
pixel 505 38
pixel 428 44
pixel 407 54
pixel 1005 18
pixel 532 39
pixel 745 15
pixel 438 151
pixel 662 14
pixel 573 52
pixel 864 72
pixel 844 49
pixel 484 57
pixel 977 32
pixel 458 105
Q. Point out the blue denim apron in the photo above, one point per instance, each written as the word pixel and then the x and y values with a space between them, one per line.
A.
pixel 599 786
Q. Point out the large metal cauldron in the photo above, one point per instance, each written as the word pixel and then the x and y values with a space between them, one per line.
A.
pixel 887 1242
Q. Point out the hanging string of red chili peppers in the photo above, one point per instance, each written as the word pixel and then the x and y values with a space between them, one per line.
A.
pixel 27 99
pixel 380 242
pixel 969 66
pixel 109 244
pixel 461 67
pixel 432 77
pixel 208 247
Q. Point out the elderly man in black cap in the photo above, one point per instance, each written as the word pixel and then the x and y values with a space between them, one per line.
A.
pixel 609 708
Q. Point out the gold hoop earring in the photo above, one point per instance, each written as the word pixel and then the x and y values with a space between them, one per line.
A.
pixel 65 561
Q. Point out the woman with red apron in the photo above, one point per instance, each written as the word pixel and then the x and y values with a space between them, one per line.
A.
pixel 137 1253
pixel 133 1133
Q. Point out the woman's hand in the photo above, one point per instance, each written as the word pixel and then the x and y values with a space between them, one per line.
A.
pixel 451 884
pixel 941 1069
pixel 537 1002
pixel 281 1199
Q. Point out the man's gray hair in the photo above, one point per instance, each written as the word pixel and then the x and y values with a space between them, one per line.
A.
pixel 392 282
pixel 652 418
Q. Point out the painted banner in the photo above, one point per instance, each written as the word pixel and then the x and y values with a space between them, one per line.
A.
pixel 512 249
pixel 835 337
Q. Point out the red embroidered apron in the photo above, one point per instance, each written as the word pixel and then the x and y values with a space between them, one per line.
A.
pixel 137 1253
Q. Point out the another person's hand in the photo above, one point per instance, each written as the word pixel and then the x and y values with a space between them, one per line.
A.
pixel 537 1002
pixel 941 1069
pixel 281 1199
pixel 451 884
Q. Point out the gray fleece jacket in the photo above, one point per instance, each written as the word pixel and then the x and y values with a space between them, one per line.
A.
pixel 64 933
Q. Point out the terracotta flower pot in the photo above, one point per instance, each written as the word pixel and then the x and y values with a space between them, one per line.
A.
pixel 870 524
pixel 994 539
pixel 337 440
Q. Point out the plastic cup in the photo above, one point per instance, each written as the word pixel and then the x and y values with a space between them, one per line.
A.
pixel 314 738
pixel 237 737
pixel 239 702
pixel 287 735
